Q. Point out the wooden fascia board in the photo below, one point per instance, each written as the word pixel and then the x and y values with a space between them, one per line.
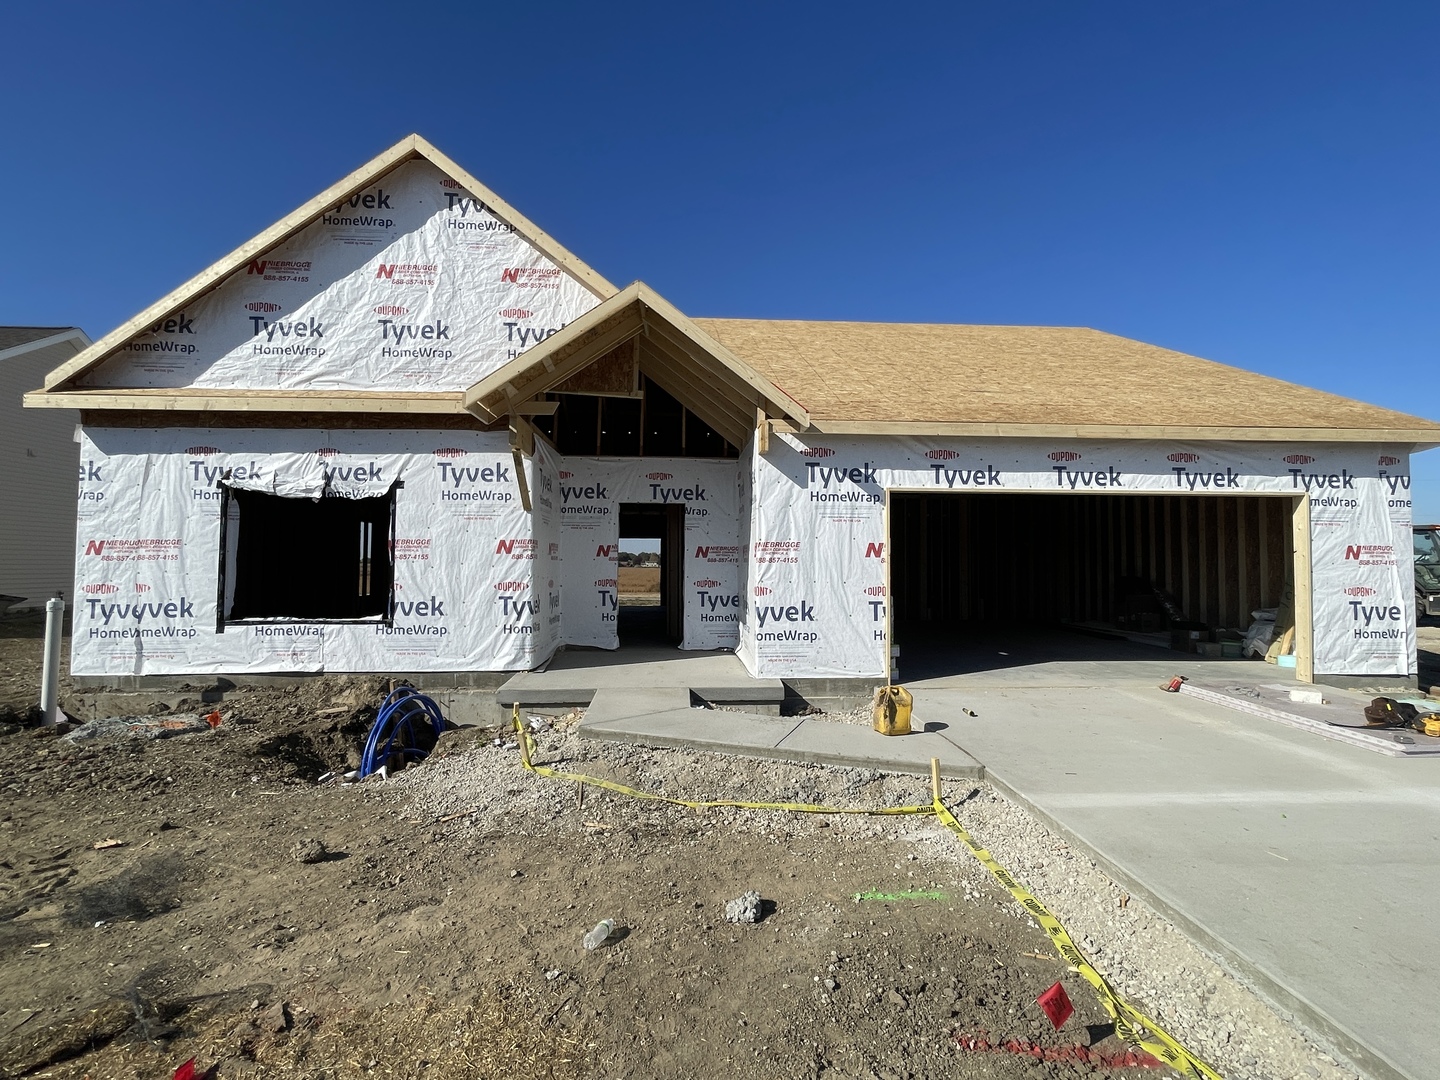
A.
pixel 691 336
pixel 739 403
pixel 528 375
pixel 719 413
pixel 361 178
pixel 1427 436
pixel 160 401
pixel 574 340
pixel 538 237
pixel 407 149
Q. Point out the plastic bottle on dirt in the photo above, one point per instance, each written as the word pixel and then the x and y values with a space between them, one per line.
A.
pixel 597 937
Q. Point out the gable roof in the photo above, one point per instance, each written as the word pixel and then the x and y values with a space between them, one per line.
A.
pixel 15 340
pixel 410 148
pixel 669 348
pixel 1040 381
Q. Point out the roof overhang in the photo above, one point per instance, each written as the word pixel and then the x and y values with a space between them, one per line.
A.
pixel 1418 438
pixel 683 360
pixel 253 401
pixel 410 148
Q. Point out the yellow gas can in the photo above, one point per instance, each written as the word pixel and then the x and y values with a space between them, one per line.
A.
pixel 892 710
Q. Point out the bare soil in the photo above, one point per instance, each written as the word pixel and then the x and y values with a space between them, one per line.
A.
pixel 440 934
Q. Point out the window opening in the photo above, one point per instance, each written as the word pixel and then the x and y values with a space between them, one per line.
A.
pixel 310 560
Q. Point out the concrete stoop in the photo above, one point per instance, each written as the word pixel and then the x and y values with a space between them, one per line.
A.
pixel 666 717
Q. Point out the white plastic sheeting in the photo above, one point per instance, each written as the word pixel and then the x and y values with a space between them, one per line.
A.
pixel 148 548
pixel 411 284
pixel 591 491
pixel 816 577
pixel 784 554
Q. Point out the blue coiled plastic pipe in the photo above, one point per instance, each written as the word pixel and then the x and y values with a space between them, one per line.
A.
pixel 402 708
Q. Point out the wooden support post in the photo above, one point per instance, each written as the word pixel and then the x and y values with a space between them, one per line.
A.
pixel 935 779
pixel 1263 542
pixel 762 432
pixel 1304 628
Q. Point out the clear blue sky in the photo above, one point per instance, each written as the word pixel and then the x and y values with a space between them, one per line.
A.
pixel 1249 182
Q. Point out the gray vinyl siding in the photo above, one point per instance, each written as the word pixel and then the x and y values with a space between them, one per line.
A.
pixel 38 467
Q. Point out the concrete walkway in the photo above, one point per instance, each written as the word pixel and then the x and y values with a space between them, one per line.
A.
pixel 1310 865
pixel 666 717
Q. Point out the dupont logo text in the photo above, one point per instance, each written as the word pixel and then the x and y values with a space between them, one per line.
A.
pixel 1063 455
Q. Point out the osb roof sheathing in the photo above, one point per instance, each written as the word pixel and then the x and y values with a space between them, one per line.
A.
pixel 919 373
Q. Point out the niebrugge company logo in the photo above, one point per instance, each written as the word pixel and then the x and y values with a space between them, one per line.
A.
pixel 1370 554
pixel 531 277
pixel 776 551
pixel 126 550
pixel 715 553
pixel 517 548
pixel 280 269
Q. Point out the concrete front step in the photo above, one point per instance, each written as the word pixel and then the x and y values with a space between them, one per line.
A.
pixel 665 717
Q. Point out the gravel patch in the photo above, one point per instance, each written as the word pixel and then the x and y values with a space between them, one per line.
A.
pixel 1143 955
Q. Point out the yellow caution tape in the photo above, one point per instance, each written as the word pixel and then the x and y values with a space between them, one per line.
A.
pixel 527 744
pixel 1130 1022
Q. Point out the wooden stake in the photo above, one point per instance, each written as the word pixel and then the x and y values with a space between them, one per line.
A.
pixel 935 779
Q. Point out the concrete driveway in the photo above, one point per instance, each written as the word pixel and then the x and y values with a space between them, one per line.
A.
pixel 1310 866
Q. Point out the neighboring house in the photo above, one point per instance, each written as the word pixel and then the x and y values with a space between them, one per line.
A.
pixel 38 459
pixel 404 430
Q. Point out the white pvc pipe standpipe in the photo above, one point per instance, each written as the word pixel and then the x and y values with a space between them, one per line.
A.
pixel 50 672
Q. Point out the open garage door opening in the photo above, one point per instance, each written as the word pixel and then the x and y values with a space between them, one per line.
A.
pixel 986 581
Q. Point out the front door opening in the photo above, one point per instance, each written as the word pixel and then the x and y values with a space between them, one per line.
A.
pixel 651 574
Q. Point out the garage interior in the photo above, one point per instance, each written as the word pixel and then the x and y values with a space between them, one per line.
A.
pixel 1055 575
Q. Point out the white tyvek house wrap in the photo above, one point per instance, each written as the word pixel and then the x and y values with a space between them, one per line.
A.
pixel 816 582
pixel 591 491
pixel 409 285
pixel 148 541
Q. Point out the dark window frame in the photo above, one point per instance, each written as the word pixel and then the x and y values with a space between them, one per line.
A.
pixel 385 618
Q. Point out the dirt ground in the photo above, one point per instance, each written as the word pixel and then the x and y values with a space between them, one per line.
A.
pixel 440 933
